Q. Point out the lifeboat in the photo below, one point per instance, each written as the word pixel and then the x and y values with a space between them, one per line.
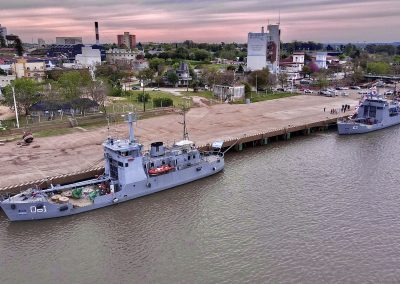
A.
pixel 160 170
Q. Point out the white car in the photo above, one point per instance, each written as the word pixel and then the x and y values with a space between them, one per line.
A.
pixel 156 89
pixel 308 91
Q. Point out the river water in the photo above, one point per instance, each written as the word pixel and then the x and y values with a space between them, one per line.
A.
pixel 314 209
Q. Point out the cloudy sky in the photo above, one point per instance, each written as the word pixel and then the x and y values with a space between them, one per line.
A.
pixel 203 20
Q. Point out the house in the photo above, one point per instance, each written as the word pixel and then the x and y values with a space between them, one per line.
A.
pixel 183 73
pixel 293 66
pixel 29 68
pixel 51 109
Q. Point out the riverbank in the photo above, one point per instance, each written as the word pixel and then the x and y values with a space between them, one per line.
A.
pixel 81 150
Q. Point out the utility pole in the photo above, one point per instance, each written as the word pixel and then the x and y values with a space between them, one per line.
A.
pixel 144 98
pixel 256 85
pixel 15 106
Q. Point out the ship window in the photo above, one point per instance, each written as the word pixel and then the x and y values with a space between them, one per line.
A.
pixel 152 165
pixel 194 156
pixel 126 165
pixel 163 162
pixel 120 164
pixel 189 158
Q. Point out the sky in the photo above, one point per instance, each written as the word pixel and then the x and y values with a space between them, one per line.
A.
pixel 203 20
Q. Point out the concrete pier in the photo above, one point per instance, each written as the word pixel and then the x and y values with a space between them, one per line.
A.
pixel 253 125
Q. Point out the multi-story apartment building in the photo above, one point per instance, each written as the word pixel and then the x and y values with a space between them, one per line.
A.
pixel 127 40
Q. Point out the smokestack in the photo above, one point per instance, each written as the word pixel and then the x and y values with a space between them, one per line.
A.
pixel 262 30
pixel 96 28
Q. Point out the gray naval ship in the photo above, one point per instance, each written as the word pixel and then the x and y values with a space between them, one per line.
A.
pixel 129 173
pixel 374 112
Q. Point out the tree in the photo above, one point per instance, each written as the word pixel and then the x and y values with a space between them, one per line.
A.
pixel 72 84
pixel 112 73
pixel 378 68
pixel 18 46
pixel 306 70
pixel 156 64
pixel 98 91
pixel 282 78
pixel 146 75
pixel 356 77
pixel 173 78
pixel 231 68
pixel 247 90
pixel 259 78
pixel 2 41
pixel 201 55
pixel 322 80
pixel 26 94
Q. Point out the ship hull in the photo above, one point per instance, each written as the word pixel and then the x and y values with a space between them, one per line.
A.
pixel 24 211
pixel 348 128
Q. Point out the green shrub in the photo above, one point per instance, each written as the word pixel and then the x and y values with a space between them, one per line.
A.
pixel 116 92
pixel 163 102
pixel 145 97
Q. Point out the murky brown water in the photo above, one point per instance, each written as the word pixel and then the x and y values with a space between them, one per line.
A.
pixel 317 209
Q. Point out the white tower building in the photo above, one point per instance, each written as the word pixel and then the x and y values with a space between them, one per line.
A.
pixel 263 49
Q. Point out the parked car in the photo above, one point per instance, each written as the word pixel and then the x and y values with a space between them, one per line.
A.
pixel 308 91
pixel 364 92
pixel 156 89
pixel 389 93
pixel 344 94
pixel 135 88
pixel 355 87
pixel 327 93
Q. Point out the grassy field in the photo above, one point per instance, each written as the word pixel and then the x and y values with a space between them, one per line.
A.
pixel 260 97
pixel 204 94
pixel 130 102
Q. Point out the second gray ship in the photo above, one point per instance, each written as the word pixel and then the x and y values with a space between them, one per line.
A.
pixel 129 173
pixel 375 112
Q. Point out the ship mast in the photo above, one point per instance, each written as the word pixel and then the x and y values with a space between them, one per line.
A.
pixel 185 132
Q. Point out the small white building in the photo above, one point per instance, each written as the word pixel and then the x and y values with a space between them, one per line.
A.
pixel 6 80
pixel 320 60
pixel 89 57
pixel 293 66
pixel 120 54
pixel 228 93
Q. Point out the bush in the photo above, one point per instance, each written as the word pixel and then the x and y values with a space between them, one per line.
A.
pixel 116 92
pixel 145 97
pixel 163 102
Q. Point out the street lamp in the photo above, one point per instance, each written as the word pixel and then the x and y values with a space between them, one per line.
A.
pixel 15 106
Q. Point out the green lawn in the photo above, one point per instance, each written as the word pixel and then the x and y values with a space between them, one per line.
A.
pixel 130 102
pixel 267 97
pixel 204 94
